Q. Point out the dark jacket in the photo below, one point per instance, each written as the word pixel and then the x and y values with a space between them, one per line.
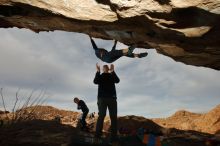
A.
pixel 109 57
pixel 106 84
pixel 105 56
pixel 82 106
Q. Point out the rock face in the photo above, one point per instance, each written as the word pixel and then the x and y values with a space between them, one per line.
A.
pixel 210 121
pixel 187 31
pixel 183 120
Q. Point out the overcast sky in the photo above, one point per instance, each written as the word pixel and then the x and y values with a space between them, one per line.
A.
pixel 63 65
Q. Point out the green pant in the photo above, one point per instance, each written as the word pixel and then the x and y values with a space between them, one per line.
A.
pixel 103 104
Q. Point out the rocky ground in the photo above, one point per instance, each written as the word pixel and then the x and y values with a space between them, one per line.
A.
pixel 53 127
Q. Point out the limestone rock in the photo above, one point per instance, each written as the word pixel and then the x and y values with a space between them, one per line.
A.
pixel 187 31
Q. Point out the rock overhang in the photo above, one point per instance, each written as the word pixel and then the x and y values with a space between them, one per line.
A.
pixel 188 31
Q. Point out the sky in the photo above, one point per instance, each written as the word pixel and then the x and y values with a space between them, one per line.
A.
pixel 61 65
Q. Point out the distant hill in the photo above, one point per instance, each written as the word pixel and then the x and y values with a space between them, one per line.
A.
pixel 184 120
pixel 51 113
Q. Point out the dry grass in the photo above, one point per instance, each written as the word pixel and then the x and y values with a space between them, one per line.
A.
pixel 19 112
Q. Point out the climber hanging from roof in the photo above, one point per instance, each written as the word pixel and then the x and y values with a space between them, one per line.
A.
pixel 113 55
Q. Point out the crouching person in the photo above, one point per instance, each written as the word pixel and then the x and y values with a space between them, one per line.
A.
pixel 81 105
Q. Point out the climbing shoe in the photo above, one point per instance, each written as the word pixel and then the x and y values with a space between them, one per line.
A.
pixel 142 55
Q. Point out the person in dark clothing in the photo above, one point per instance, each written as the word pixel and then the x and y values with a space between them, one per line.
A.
pixel 81 105
pixel 113 55
pixel 107 98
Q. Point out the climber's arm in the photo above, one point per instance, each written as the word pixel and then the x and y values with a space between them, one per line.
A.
pixel 93 44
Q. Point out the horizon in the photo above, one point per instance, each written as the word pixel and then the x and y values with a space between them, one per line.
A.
pixel 47 105
pixel 63 65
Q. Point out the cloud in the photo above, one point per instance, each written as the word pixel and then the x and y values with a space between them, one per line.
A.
pixel 63 64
